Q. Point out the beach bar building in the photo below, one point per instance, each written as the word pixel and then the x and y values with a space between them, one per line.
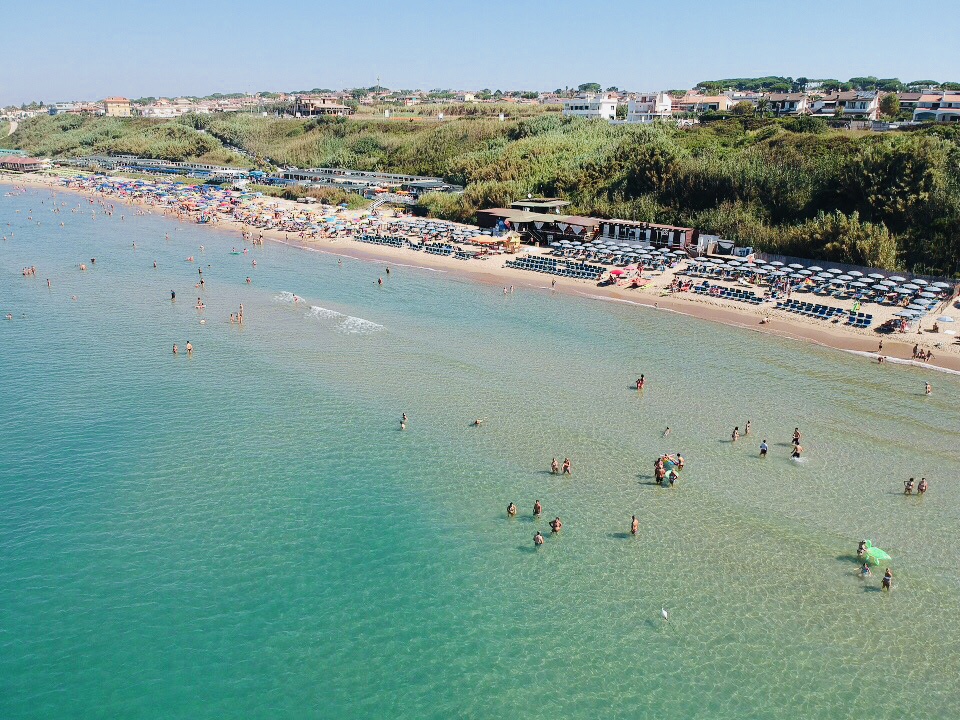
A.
pixel 14 163
pixel 653 234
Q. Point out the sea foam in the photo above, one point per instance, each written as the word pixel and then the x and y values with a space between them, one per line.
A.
pixel 341 322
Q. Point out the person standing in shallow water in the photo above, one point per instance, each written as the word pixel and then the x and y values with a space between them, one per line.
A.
pixel 537 509
pixel 634 525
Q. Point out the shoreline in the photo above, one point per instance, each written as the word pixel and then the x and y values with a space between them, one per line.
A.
pixel 492 272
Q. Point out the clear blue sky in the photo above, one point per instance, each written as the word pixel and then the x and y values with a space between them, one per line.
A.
pixel 71 49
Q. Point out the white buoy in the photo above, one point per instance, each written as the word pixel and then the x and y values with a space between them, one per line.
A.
pixel 664 614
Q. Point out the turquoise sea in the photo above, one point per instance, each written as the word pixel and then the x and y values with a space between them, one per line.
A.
pixel 247 532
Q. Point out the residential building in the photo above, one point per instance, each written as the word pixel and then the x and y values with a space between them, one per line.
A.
pixel 62 108
pixel 693 103
pixel 591 107
pixel 909 101
pixel 117 107
pixel 942 106
pixel 312 105
pixel 649 107
pixel 788 103
pixel 849 105
pixel 739 96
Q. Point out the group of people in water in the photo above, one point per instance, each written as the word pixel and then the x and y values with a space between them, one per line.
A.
pixel 556 525
pixel 188 348
pixel 557 469
pixel 922 486
pixel 887 582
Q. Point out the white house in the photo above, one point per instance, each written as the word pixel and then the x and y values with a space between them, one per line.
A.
pixel 938 107
pixel 649 107
pixel 592 107
pixel 850 105
pixel 788 103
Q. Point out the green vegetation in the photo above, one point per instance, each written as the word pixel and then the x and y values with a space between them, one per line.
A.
pixel 65 136
pixel 792 186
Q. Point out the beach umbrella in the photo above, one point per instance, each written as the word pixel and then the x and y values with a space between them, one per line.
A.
pixel 903 291
pixel 777 263
pixel 920 281
pixel 717 261
pixel 905 314
pixel 888 283
pixel 897 278
pixel 945 319
pixel 845 278
pixel 911 286
pixel 795 266
pixel 815 268
pixel 835 271
pixel 876 276
pixel 944 285
pixel 760 271
pixel 804 272
pixel 855 273
pixel 928 295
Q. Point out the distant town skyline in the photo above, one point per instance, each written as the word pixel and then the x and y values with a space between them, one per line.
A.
pixel 95 50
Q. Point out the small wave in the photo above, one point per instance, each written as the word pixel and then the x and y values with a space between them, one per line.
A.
pixel 342 322
pixel 903 361
pixel 345 323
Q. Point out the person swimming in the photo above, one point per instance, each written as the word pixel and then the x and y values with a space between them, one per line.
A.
pixel 865 571
pixel 538 539
pixel 861 548
pixel 666 432
pixel 477 423
pixel 763 448
pixel 511 509
pixel 176 350
pixel 797 450
pixel 173 295
pixel 537 509
pixel 634 525
pixel 735 435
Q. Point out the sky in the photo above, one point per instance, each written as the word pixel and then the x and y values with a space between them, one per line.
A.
pixel 57 50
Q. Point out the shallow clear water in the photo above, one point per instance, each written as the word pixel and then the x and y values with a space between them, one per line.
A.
pixel 247 532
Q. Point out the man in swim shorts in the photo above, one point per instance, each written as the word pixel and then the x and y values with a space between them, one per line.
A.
pixel 538 539
pixel 763 448
pixel 537 508
pixel 634 525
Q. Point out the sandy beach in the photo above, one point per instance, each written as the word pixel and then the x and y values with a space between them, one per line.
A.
pixel 897 348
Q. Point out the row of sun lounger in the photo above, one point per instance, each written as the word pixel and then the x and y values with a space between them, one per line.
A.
pixel 729 294
pixel 825 312
pixel 577 270
pixel 383 240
